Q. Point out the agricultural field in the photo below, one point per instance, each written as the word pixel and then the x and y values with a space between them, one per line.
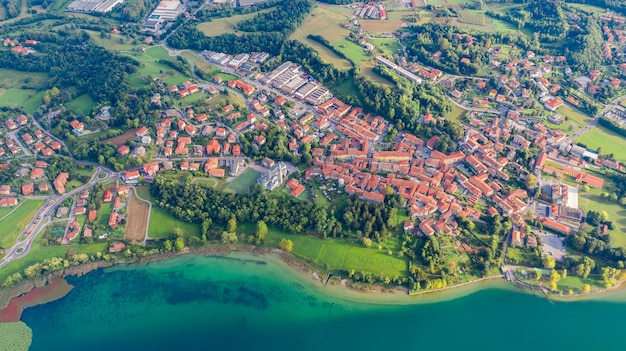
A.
pixel 162 225
pixel 325 21
pixel 13 224
pixel 242 183
pixel 138 216
pixel 16 97
pixel 391 24
pixel 121 139
pixel 610 142
pixel 226 25
pixel 10 78
pixel 82 104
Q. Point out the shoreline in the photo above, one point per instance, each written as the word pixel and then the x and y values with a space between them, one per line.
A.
pixel 54 286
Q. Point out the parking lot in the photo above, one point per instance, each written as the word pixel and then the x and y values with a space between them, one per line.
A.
pixel 553 245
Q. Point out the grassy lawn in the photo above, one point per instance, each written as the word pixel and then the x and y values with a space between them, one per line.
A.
pixel 353 51
pixel 16 222
pixel 10 78
pixel 104 212
pixel 611 143
pixel 242 183
pixel 83 104
pixel 522 257
pixel 576 283
pixel 575 120
pixel 222 100
pixel 33 103
pixel 339 254
pixel 589 8
pixel 144 192
pixel 221 26
pixel 38 253
pixel 115 42
pixel 388 45
pixel 162 224
pixel 210 182
pixel 456 114
pixel 149 65
pixel 15 97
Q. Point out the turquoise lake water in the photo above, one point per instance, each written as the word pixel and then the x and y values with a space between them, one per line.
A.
pixel 213 303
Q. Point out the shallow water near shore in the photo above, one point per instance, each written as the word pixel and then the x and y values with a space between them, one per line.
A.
pixel 244 302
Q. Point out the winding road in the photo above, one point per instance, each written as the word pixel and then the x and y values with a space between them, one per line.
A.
pixel 42 218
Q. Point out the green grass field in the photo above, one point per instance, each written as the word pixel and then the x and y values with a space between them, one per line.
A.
pixel 596 10
pixel 353 51
pixel 221 26
pixel 115 42
pixel 33 103
pixel 82 104
pixel 610 142
pixel 576 283
pixel 575 120
pixel 325 21
pixel 388 45
pixel 221 99
pixel 144 192
pixel 10 78
pixel 341 255
pixel 338 254
pixel 456 114
pixel 13 224
pixel 152 68
pixel 242 184
pixel 162 224
pixel 15 97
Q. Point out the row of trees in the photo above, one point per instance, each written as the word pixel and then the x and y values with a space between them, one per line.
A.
pixel 195 203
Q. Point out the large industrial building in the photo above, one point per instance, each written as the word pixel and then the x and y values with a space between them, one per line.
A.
pixel 88 6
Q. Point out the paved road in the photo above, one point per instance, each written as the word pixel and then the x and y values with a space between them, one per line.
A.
pixel 25 239
pixel 25 150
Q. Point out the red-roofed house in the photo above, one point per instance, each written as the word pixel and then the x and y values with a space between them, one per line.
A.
pixel 28 189
pixel 108 196
pixel 131 175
